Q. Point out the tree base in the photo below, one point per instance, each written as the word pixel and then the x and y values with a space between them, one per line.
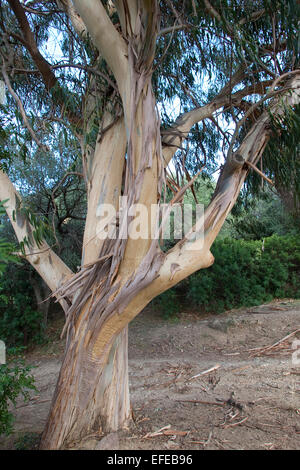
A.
pixel 88 399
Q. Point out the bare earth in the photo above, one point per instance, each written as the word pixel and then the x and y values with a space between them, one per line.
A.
pixel 247 402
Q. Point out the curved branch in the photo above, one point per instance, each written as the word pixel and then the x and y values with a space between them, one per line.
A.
pixel 176 134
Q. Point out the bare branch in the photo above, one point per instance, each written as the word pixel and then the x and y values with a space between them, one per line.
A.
pixel 175 27
pixel 22 110
pixel 260 173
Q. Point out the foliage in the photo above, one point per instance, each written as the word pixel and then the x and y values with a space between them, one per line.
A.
pixel 247 273
pixel 6 248
pixel 167 303
pixel 260 217
pixel 15 380
pixel 28 441
pixel 20 322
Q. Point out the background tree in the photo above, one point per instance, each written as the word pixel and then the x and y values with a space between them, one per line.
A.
pixel 111 86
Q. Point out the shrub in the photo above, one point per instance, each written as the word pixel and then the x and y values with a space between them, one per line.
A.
pixel 20 323
pixel 167 303
pixel 247 273
pixel 14 381
pixel 28 441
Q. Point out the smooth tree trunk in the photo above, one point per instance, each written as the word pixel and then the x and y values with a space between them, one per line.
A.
pixel 91 395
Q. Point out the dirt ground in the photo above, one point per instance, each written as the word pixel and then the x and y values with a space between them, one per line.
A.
pixel 250 400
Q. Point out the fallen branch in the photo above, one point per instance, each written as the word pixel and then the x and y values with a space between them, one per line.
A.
pixel 279 345
pixel 174 432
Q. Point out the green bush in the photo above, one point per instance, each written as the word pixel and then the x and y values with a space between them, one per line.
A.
pixel 247 273
pixel 14 381
pixel 28 441
pixel 167 303
pixel 20 323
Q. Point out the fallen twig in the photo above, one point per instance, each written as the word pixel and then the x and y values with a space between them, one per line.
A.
pixel 174 432
pixel 156 433
pixel 165 431
pixel 204 402
pixel 208 371
pixel 231 425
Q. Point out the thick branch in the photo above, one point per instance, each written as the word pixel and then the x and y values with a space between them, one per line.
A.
pixel 30 43
pixel 127 14
pixel 104 181
pixel 105 37
pixel 75 19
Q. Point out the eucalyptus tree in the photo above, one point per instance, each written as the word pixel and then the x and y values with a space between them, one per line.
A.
pixel 121 67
